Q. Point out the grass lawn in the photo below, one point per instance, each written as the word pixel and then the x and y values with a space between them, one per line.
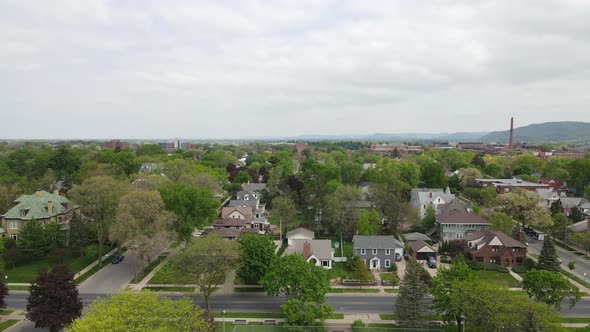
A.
pixel 347 249
pixel 498 278
pixel 95 269
pixel 338 270
pixel 168 275
pixel 6 324
pixel 386 276
pixel 26 288
pixel 573 319
pixel 149 268
pixel 249 315
pixel 353 290
pixel 29 271
pixel 6 312
pixel 391 290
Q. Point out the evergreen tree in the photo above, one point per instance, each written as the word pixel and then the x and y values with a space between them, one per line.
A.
pixel 33 240
pixel 548 258
pixel 410 304
pixel 53 302
pixel 3 291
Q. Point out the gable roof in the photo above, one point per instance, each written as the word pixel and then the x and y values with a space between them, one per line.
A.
pixel 418 245
pixel 321 249
pixel 415 236
pixel 427 196
pixel 245 211
pixel 485 236
pixel 253 186
pixel 460 217
pixel 236 202
pixel 571 202
pixel 301 230
pixel 36 206
pixel 376 242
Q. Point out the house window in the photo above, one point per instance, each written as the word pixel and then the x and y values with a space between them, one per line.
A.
pixel 495 248
pixel 326 263
pixel 519 260
pixel 14 236
pixel 14 225
pixel 363 251
pixel 492 260
pixel 459 235
pixel 515 249
pixel 387 263
pixel 388 251
pixel 23 213
pixel 374 251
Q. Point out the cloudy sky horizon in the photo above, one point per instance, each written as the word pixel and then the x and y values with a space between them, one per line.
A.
pixel 231 69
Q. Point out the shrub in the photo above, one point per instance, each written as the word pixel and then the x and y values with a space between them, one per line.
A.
pixel 395 280
pixel 393 267
pixel 474 265
pixel 358 326
pixel 520 269
pixel 495 267
pixel 571 265
pixel 445 259
pixel 529 263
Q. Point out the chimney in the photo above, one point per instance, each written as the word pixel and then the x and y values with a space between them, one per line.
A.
pixel 306 250
pixel 431 194
pixel 511 141
pixel 50 208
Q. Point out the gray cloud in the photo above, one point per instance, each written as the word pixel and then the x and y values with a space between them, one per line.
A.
pixel 98 69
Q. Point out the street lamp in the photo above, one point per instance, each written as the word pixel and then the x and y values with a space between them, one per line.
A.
pixel 223 318
pixel 584 277
pixel 462 323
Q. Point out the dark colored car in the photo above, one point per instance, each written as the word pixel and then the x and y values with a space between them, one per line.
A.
pixel 398 257
pixel 118 259
pixel 431 262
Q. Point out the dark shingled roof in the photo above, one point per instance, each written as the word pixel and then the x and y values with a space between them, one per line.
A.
pixel 460 217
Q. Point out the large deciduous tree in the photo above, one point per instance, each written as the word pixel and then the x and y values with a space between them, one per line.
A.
pixel 410 305
pixel 502 222
pixel 369 223
pixel 193 207
pixel 98 197
pixel 284 211
pixel 143 311
pixel 208 259
pixel 526 207
pixel 257 252
pixel 53 302
pixel 550 288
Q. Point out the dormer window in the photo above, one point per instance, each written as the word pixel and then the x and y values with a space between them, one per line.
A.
pixel 23 213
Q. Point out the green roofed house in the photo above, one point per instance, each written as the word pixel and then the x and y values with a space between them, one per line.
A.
pixel 41 206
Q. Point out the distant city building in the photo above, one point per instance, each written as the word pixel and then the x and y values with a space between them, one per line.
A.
pixel 175 144
pixel 508 185
pixel 389 149
pixel 116 144
pixel 570 154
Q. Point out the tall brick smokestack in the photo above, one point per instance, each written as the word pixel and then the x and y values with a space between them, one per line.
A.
pixel 511 142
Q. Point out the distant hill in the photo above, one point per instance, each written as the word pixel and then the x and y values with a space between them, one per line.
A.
pixel 567 131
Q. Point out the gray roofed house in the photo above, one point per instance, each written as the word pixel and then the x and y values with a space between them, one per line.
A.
pixel 377 251
pixel 456 224
pixel 569 203
pixel 254 187
pixel 319 252
pixel 548 195
pixel 422 198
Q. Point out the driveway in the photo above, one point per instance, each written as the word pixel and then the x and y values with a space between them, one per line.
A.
pixel 582 264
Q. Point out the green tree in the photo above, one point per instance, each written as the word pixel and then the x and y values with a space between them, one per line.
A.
pixel 3 291
pixel 98 197
pixel 257 253
pixel 208 259
pixel 468 176
pixel 296 278
pixel 548 258
pixel 80 234
pixel 33 241
pixel 550 288
pixel 193 207
pixel 526 207
pixel 150 150
pixel 340 211
pixel 143 311
pixel 410 305
pixel 369 223
pixel 351 173
pixel 429 219
pixel 579 174
pixel 582 239
pixel 359 270
pixel 487 196
pixel 444 288
pixel 284 212
pixel 305 313
pixel 53 302
pixel 502 222
pixel 494 170
pixel 433 175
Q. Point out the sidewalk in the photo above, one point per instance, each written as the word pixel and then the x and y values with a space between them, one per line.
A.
pixel 140 285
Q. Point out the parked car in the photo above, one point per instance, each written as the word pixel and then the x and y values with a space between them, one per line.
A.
pixel 118 259
pixel 431 262
pixel 398 257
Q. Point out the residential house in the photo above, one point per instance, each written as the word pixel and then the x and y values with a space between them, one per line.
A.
pixel 241 217
pixel 556 185
pixel 494 247
pixel 548 195
pixel 570 203
pixel 41 206
pixel 456 224
pixel 377 251
pixel 299 234
pixel 415 236
pixel 420 250
pixel 422 198
pixel 318 252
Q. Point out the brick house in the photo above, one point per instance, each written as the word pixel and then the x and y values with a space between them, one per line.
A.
pixel 40 206
pixel 494 247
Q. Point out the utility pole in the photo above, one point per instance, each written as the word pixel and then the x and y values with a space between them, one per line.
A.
pixel 281 230
pixel 341 246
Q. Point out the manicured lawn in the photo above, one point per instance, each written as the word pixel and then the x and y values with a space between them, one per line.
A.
pixel 347 249
pixel 391 290
pixel 95 269
pixel 573 319
pixel 498 278
pixel 249 315
pixel 29 271
pixel 149 268
pixel 338 270
pixel 170 289
pixel 353 290
pixel 6 324
pixel 386 276
pixel 6 312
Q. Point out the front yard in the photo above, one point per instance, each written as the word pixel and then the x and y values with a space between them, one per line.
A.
pixel 27 272
pixel 497 278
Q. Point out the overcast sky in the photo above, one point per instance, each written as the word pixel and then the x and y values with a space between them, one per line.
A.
pixel 230 69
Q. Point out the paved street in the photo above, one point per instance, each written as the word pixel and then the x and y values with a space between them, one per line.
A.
pixel 582 264
pixel 112 278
